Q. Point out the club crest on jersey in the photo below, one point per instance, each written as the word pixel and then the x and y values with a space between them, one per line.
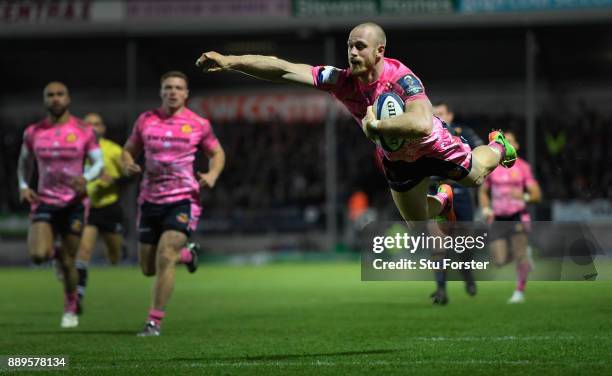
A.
pixel 71 137
pixel 186 128
pixel 182 218
pixel 77 226
pixel 411 85
pixel 328 75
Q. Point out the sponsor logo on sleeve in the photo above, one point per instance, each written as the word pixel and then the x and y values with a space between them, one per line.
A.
pixel 411 85
pixel 328 75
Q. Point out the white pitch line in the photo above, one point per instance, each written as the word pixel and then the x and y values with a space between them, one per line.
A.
pixel 509 338
pixel 318 363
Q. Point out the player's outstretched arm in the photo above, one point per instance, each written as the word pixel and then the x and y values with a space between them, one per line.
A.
pixel 215 167
pixel 263 67
pixel 415 122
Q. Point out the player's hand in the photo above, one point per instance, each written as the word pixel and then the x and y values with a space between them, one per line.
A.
pixel 131 169
pixel 369 124
pixel 28 195
pixel 212 61
pixel 207 180
pixel 79 183
pixel 488 215
pixel 106 178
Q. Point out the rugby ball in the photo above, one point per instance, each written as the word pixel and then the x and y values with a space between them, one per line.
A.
pixel 387 105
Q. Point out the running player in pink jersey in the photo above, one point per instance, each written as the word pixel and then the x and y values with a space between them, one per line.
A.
pixel 170 193
pixel 429 148
pixel 59 143
pixel 506 209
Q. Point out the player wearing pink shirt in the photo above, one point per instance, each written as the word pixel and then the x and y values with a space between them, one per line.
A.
pixel 59 143
pixel 503 199
pixel 169 201
pixel 429 148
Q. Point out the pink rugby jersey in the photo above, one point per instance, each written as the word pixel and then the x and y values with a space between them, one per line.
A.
pixel 507 187
pixel 60 151
pixel 357 96
pixel 170 144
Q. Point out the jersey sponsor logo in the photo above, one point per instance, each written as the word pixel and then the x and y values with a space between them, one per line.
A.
pixel 411 85
pixel 328 75
pixel 182 218
pixel 186 128
pixel 71 137
pixel 167 139
pixel 55 149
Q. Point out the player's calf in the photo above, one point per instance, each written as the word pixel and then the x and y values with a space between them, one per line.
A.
pixel 147 259
pixel 82 275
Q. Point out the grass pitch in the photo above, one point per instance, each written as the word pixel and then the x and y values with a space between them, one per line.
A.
pixel 309 319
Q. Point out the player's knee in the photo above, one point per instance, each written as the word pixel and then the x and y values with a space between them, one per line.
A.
pixel 166 257
pixel 478 181
pixel 474 180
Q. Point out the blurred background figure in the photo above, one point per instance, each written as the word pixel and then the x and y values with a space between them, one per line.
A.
pixel 169 201
pixel 359 214
pixel 463 204
pixel 503 200
pixel 105 213
pixel 59 143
